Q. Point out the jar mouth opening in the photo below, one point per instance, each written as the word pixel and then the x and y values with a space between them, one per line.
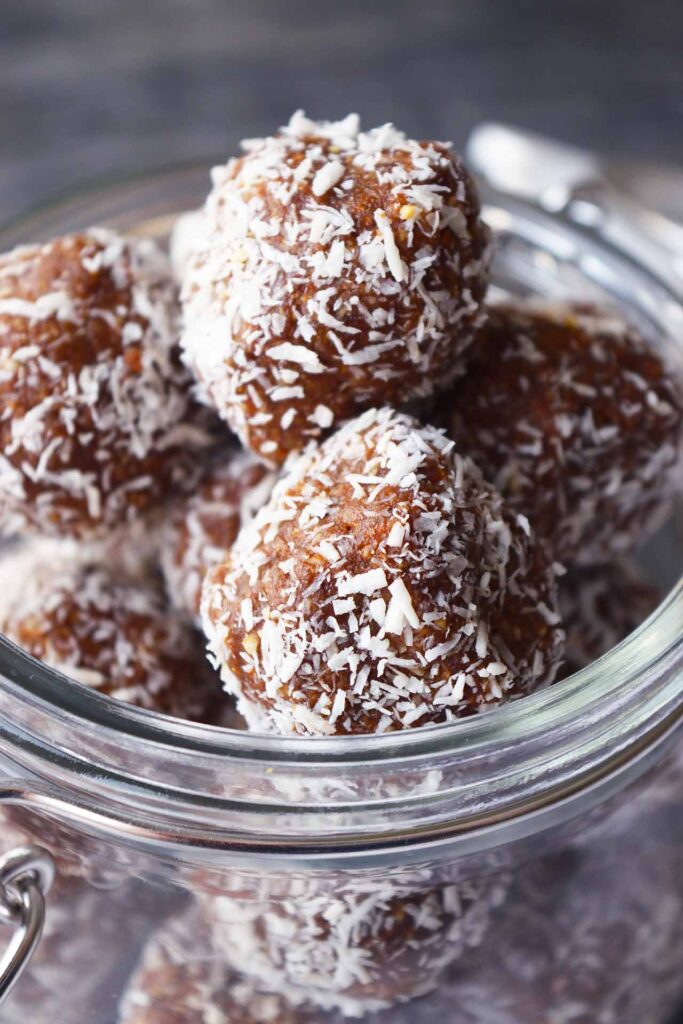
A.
pixel 86 744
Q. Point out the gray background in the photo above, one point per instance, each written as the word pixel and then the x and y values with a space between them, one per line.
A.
pixel 98 86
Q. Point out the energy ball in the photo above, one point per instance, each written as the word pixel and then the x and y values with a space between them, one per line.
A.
pixel 576 420
pixel 113 633
pixel 363 948
pixel 203 527
pixel 385 585
pixel 600 606
pixel 340 270
pixel 97 422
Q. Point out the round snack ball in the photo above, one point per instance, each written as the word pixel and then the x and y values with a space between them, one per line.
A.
pixel 97 422
pixel 340 270
pixel 177 983
pixel 383 586
pixel 203 527
pixel 109 631
pixel 600 606
pixel 577 422
pixel 366 946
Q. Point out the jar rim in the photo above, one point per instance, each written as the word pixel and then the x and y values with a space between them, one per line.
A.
pixel 564 735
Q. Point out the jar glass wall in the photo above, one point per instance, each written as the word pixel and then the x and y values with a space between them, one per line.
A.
pixel 522 866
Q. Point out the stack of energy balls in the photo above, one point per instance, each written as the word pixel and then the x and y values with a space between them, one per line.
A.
pixel 417 473
pixel 426 494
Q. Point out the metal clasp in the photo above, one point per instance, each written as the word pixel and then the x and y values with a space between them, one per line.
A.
pixel 26 874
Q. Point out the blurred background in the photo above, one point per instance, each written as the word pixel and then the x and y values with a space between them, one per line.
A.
pixel 92 87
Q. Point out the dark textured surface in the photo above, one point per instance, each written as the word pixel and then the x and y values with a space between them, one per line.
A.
pixel 95 86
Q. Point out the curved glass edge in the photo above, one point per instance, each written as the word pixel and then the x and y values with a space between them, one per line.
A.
pixel 617 673
pixel 563 732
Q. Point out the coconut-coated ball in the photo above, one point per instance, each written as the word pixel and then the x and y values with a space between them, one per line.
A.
pixel 97 422
pixel 368 945
pixel 384 585
pixel 577 421
pixel 339 269
pixel 112 632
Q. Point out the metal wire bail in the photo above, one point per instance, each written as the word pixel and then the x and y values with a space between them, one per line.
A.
pixel 26 874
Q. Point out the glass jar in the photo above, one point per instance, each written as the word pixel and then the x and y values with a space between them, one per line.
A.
pixel 521 867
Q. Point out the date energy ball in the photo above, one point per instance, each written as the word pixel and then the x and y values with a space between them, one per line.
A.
pixel 383 586
pixel 340 270
pixel 600 605
pixel 111 632
pixel 203 527
pixel 576 420
pixel 365 947
pixel 176 984
pixel 97 422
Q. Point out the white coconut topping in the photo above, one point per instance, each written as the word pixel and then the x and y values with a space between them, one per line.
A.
pixel 179 974
pixel 327 177
pixel 393 256
pixel 578 420
pixel 77 430
pixel 600 606
pixel 374 942
pixel 102 627
pixel 363 583
pixel 186 237
pixel 295 278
